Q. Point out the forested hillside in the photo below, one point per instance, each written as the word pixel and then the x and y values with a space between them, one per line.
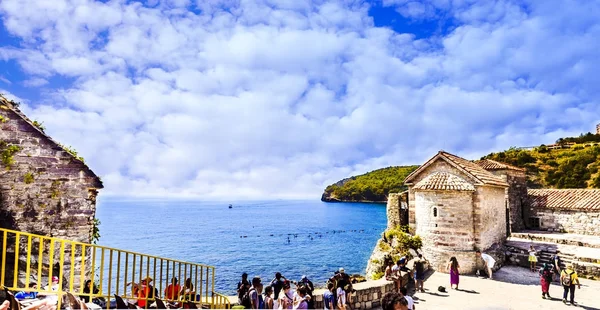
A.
pixel 570 167
pixel 572 162
pixel 371 186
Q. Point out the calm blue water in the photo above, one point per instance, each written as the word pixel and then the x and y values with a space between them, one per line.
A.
pixel 209 233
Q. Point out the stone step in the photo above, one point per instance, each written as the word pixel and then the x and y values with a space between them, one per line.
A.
pixel 559 238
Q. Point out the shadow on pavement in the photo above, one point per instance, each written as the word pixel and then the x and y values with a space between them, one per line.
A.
pixel 467 291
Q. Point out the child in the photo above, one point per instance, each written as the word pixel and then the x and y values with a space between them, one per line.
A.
pixel 545 280
pixel 532 258
pixel 453 271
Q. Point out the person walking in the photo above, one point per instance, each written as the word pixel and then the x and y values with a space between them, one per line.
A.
pixel 532 258
pixel 453 270
pixel 545 280
pixel 568 278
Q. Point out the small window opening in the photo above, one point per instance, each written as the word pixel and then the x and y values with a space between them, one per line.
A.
pixel 434 212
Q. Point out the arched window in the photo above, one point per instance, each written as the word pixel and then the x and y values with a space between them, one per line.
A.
pixel 434 211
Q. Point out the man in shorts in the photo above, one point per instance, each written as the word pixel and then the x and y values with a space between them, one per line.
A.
pixel 488 262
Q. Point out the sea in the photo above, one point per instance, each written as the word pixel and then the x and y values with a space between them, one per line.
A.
pixel 296 238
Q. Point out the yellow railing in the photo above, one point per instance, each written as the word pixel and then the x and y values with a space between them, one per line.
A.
pixel 29 259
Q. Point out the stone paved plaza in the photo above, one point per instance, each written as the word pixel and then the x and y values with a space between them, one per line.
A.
pixel 512 288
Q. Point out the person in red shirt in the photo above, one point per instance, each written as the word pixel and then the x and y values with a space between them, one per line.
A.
pixel 172 290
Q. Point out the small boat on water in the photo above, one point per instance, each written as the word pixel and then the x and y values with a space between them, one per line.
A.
pixel 230 206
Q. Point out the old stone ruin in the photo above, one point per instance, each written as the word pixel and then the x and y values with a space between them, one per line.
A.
pixel 45 189
pixel 457 207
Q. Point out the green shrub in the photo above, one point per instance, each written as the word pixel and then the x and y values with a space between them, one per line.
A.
pixel 384 246
pixel 378 275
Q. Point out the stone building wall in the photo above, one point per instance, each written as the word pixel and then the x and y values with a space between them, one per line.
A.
pixel 489 216
pixel 43 189
pixel 438 165
pixel 449 232
pixel 577 222
pixel 516 197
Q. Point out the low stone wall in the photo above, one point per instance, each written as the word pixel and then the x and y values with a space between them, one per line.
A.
pixel 585 223
pixel 367 296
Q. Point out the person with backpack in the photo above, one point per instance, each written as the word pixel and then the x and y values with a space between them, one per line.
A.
pixel 286 300
pixel 545 280
pixel 568 278
pixel 419 271
pixel 253 299
pixel 242 287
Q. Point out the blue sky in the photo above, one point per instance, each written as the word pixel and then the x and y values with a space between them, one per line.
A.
pixel 224 99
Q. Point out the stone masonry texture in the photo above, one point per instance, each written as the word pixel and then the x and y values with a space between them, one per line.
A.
pixel 45 190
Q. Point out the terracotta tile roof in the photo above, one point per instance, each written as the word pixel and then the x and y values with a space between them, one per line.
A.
pixel 480 175
pixel 489 164
pixel 444 181
pixel 565 199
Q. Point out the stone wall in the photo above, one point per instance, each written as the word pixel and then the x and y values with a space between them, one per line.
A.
pixel 396 207
pixel 516 196
pixel 43 189
pixel 577 222
pixel 444 220
pixel 489 216
pixel 439 165
pixel 367 296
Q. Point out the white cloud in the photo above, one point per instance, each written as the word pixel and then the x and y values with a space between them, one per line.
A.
pixel 269 99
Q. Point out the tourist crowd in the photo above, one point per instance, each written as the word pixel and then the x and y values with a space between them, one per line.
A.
pixel 278 293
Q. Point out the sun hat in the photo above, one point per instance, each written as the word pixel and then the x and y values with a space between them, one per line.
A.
pixel 147 279
pixel 341 270
pixel 54 279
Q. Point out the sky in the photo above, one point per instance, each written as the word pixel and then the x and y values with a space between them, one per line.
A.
pixel 275 99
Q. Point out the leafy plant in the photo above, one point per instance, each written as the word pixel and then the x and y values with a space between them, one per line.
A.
pixel 39 125
pixel 378 275
pixel 72 151
pixel 7 152
pixel 95 230
pixel 28 178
